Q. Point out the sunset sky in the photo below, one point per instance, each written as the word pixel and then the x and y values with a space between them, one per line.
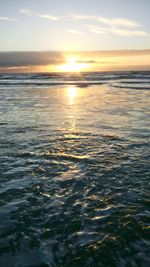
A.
pixel 85 34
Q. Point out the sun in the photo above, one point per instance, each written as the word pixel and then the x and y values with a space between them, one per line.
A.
pixel 72 65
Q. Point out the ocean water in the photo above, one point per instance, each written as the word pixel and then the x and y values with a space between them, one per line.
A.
pixel 74 170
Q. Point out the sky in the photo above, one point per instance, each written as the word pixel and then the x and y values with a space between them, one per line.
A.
pixel 74 25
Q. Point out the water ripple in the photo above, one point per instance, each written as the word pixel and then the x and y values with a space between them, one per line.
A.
pixel 74 187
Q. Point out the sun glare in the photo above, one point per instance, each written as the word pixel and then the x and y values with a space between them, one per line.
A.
pixel 72 91
pixel 72 65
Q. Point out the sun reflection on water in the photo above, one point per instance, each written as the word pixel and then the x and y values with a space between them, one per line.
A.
pixel 72 93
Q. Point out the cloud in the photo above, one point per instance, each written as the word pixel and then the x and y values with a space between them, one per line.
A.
pixel 75 32
pixel 117 31
pixel 8 19
pixel 29 13
pixel 105 20
pixel 96 29
pixel 118 22
pixel 13 68
pixel 118 53
pixel 26 12
pixel 124 32
pixel 82 17
pixel 48 17
pixel 35 61
pixel 18 59
pixel 118 26
pixel 128 27
pixel 91 61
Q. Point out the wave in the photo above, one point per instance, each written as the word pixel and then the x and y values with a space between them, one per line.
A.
pixel 131 87
pixel 128 80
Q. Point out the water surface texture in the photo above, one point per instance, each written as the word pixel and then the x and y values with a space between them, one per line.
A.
pixel 74 173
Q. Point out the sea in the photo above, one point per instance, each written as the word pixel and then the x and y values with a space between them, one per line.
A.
pixel 75 169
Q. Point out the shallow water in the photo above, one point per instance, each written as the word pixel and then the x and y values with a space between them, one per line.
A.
pixel 74 182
